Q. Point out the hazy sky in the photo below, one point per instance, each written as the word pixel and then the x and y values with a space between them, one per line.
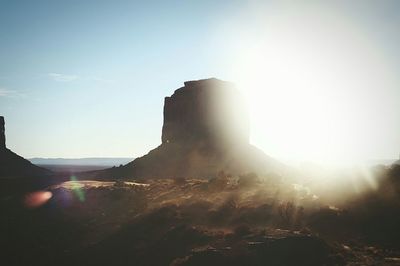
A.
pixel 88 78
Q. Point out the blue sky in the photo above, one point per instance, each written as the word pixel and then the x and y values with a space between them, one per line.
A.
pixel 88 78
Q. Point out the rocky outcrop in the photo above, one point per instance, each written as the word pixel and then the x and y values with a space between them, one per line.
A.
pixel 2 134
pixel 208 111
pixel 13 165
pixel 205 131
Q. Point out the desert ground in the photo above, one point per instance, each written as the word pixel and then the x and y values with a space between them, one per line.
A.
pixel 227 220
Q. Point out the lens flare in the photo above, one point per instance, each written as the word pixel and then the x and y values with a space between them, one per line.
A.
pixel 77 189
pixel 37 199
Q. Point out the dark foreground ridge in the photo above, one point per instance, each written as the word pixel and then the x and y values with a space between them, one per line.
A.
pixel 13 165
pixel 205 131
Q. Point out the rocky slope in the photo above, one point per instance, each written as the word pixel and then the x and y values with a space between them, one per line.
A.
pixel 13 165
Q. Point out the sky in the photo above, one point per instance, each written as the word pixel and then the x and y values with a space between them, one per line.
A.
pixel 88 78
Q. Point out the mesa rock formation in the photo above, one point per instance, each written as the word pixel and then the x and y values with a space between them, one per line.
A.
pixel 208 111
pixel 13 165
pixel 205 131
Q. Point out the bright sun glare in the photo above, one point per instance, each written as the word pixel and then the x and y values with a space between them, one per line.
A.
pixel 312 84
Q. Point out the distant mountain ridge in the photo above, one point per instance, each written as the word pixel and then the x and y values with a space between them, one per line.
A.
pixel 99 161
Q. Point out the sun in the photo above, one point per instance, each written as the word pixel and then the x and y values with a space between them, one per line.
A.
pixel 310 88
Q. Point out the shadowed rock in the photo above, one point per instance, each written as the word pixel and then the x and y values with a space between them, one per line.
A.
pixel 205 131
pixel 13 165
pixel 209 111
pixel 2 134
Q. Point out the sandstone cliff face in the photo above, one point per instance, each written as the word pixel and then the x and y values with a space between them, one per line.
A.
pixel 208 111
pixel 205 131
